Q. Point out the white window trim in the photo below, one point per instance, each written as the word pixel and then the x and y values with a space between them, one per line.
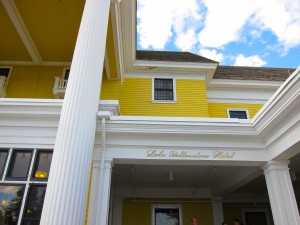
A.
pixel 174 91
pixel 256 210
pixel 28 181
pixel 238 109
pixel 167 206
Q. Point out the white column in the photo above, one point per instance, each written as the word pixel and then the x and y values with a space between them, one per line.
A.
pixel 66 194
pixel 281 193
pixel 104 196
pixel 94 198
pixel 217 211
pixel 118 210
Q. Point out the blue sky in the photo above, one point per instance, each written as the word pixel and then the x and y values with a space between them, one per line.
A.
pixel 233 32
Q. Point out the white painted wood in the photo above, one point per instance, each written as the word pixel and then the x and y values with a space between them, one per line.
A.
pixel 65 199
pixel 104 194
pixel 217 211
pixel 281 193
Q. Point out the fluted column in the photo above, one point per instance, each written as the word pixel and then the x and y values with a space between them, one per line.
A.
pixel 281 193
pixel 66 194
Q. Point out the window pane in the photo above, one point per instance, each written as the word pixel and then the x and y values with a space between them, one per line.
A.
pixel 34 205
pixel 238 114
pixel 3 157
pixel 11 200
pixel 42 165
pixel 166 216
pixel 163 89
pixel 19 165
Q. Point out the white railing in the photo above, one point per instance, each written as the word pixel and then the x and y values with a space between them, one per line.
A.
pixel 60 86
pixel 2 86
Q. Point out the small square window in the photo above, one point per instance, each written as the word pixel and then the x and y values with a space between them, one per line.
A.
pixel 42 165
pixel 166 216
pixel 163 89
pixel 239 114
pixel 19 165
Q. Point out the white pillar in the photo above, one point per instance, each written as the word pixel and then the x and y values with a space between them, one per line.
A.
pixel 217 211
pixel 104 194
pixel 94 198
pixel 117 210
pixel 66 194
pixel 281 193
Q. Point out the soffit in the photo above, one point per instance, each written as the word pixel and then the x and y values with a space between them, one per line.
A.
pixel 11 45
pixel 53 26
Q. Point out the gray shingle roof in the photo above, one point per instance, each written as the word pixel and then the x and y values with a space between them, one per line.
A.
pixel 171 56
pixel 252 73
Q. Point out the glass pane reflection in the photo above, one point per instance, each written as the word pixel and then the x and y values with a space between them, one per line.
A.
pixel 34 205
pixel 42 165
pixel 165 216
pixel 20 164
pixel 11 200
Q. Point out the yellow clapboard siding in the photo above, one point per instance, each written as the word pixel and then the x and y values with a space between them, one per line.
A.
pixel 201 210
pixel 32 82
pixel 137 99
pixel 219 110
pixel 111 90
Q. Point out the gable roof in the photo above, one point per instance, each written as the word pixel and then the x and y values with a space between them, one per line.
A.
pixel 171 56
pixel 252 73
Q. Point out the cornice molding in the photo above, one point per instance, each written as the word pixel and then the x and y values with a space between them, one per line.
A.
pixel 138 73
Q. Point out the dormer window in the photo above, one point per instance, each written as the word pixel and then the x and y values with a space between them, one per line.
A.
pixel 163 89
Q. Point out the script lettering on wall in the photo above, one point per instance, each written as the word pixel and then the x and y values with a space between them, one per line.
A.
pixel 190 154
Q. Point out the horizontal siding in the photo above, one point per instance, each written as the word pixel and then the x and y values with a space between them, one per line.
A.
pixel 32 82
pixel 135 212
pixel 219 110
pixel 137 99
pixel 111 90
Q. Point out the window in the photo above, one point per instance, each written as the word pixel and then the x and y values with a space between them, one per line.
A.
pixel 163 90
pixel 4 77
pixel 238 113
pixel 23 185
pixel 66 73
pixel 166 214
pixel 256 216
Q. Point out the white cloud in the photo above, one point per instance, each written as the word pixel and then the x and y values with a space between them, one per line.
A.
pixel 225 20
pixel 211 54
pixel 253 60
pixel 160 20
pixel 186 41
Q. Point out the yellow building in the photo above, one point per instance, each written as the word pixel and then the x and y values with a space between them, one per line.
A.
pixel 94 132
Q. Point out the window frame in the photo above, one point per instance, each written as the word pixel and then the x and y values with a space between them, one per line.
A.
pixel 174 100
pixel 166 206
pixel 257 210
pixel 63 76
pixel 8 76
pixel 29 181
pixel 240 110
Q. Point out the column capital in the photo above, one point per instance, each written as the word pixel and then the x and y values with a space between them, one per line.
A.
pixel 115 1
pixel 276 165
